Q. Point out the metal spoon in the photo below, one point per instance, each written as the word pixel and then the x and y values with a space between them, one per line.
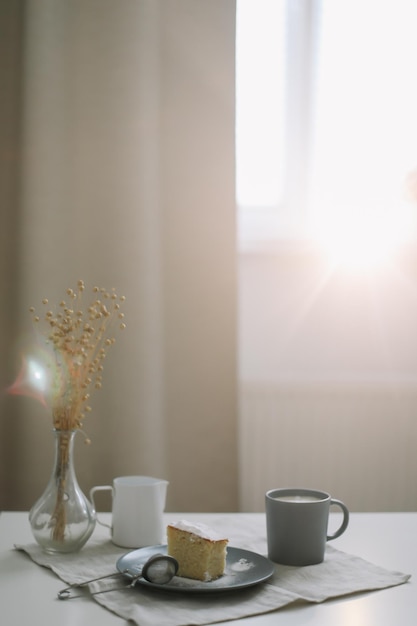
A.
pixel 158 569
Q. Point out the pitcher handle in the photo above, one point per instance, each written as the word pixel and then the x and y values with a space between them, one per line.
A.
pixel 92 492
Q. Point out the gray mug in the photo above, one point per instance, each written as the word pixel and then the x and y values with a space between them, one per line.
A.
pixel 296 525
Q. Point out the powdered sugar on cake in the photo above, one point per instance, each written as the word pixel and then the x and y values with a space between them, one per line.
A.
pixel 201 530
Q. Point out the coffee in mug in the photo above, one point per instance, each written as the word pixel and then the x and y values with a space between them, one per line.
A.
pixel 297 525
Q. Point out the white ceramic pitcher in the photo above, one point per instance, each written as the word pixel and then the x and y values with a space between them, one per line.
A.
pixel 138 504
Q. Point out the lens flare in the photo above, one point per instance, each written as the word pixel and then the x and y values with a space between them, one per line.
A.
pixel 32 380
pixel 40 375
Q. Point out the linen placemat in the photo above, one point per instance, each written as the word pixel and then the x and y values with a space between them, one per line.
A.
pixel 340 574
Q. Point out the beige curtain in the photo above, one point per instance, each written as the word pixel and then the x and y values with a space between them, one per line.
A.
pixel 118 168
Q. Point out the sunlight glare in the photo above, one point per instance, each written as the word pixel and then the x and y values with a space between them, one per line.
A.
pixel 360 242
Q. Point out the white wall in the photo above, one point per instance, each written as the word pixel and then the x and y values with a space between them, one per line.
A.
pixel 328 371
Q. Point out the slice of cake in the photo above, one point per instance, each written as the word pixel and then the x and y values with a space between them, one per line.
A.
pixel 199 550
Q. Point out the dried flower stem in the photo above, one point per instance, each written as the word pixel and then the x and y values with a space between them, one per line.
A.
pixel 59 516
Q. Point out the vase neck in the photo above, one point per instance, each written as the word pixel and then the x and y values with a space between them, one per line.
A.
pixel 64 448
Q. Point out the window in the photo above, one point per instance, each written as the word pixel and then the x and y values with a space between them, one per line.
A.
pixel 260 67
pixel 326 121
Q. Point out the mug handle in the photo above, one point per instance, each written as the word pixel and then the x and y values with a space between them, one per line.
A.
pixel 92 492
pixel 345 521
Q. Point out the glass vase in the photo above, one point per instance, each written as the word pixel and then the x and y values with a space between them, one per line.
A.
pixel 63 519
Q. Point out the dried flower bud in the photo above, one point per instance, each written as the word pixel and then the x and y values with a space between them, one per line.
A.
pixel 79 340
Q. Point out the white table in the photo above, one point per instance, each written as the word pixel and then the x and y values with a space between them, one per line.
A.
pixel 28 592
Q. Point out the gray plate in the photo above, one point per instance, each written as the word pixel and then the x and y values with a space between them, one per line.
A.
pixel 243 569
